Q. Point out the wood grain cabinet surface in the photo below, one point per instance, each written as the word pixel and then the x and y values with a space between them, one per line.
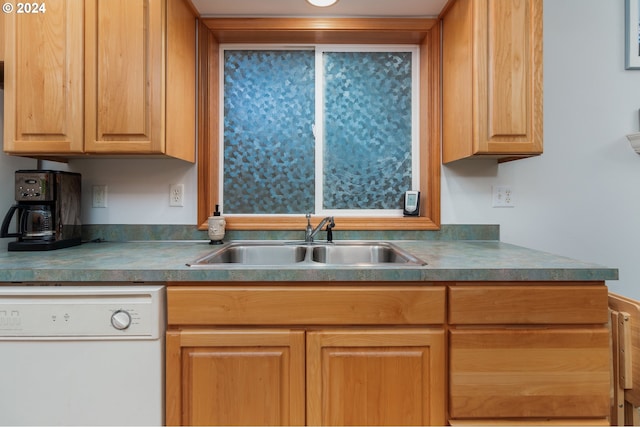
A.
pixel 2 36
pixel 44 81
pixel 382 354
pixel 342 355
pixel 91 77
pixel 492 79
pixel 376 377
pixel 529 353
pixel 235 377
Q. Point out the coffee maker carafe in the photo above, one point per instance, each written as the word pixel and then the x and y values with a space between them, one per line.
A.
pixel 47 211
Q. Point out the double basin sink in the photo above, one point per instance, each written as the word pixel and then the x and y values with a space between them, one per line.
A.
pixel 301 254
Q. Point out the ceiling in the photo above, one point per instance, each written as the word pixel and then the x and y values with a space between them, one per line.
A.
pixel 344 8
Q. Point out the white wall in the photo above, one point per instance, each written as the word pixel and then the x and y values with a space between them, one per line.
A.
pixel 580 199
pixel 137 190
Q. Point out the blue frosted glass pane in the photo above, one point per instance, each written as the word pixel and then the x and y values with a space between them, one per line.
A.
pixel 269 155
pixel 367 122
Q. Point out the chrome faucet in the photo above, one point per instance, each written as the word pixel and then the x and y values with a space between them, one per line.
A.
pixel 311 232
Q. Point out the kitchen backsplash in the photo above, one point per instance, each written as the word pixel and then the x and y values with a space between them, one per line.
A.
pixel 126 232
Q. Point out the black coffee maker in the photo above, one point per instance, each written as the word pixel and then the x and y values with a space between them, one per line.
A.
pixel 48 211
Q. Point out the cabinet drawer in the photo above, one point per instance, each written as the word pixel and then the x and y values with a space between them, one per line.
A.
pixel 308 305
pixel 528 304
pixel 529 373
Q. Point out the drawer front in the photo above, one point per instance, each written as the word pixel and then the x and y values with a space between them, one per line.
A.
pixel 529 373
pixel 306 305
pixel 528 304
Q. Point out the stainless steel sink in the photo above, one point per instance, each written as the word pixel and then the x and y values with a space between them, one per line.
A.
pixel 363 253
pixel 307 255
pixel 254 253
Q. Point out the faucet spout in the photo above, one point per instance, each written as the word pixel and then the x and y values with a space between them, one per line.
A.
pixel 310 232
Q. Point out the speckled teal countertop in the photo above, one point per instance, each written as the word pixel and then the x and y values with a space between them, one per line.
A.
pixel 158 260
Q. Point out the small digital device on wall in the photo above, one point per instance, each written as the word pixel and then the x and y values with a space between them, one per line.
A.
pixel 411 203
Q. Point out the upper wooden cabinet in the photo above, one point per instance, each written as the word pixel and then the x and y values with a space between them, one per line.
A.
pixel 44 80
pixel 2 38
pixel 492 79
pixel 2 30
pixel 99 77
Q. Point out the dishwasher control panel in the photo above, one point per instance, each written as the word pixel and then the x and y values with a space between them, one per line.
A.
pixel 91 312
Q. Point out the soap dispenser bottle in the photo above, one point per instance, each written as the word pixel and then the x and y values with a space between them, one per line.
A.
pixel 216 228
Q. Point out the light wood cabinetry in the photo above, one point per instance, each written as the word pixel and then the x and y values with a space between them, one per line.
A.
pixel 44 92
pixel 2 39
pixel 515 353
pixel 236 377
pixel 375 377
pixel 529 373
pixel 2 31
pixel 492 79
pixel 529 353
pixel 92 77
pixel 341 355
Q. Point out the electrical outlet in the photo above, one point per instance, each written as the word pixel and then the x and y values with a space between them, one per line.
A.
pixel 503 197
pixel 99 195
pixel 176 195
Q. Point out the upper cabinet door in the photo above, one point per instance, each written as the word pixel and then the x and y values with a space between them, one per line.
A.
pixel 492 79
pixel 2 31
pixel 124 76
pixel 44 63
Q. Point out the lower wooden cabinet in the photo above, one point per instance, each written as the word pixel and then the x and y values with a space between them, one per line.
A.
pixel 341 377
pixel 235 377
pixel 375 377
pixel 469 353
pixel 529 373
pixel 531 353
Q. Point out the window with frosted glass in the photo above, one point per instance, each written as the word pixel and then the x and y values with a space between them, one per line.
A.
pixel 361 115
pixel 367 129
pixel 269 148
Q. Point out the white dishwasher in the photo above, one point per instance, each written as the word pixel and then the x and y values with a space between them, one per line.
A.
pixel 82 355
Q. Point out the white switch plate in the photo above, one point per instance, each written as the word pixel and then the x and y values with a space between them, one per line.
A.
pixel 503 196
pixel 176 195
pixel 99 196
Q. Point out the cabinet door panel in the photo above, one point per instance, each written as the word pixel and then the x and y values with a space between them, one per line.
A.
pixel 2 37
pixel 375 377
pixel 44 80
pixel 513 72
pixel 508 68
pixel 233 377
pixel 124 76
pixel 529 373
